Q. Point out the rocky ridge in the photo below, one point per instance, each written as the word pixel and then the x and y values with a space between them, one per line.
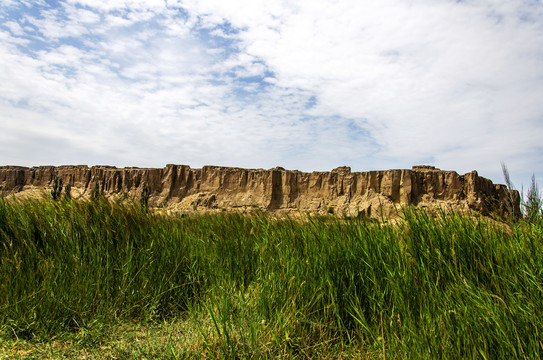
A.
pixel 213 188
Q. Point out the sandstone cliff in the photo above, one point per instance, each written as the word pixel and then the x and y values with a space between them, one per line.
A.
pixel 180 188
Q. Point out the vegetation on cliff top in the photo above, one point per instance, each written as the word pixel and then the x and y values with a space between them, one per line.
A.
pixel 93 278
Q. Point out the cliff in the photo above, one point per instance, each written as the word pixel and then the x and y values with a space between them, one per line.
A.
pixel 180 188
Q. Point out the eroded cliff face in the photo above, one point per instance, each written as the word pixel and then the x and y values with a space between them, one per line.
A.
pixel 212 188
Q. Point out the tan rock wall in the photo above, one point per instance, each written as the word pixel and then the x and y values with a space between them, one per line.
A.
pixel 180 188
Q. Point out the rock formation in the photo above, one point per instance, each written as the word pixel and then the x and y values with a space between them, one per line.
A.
pixel 212 188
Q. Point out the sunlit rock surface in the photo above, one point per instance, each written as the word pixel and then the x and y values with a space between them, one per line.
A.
pixel 213 188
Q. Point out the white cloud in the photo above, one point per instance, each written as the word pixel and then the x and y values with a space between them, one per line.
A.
pixel 14 27
pixel 309 85
pixel 429 78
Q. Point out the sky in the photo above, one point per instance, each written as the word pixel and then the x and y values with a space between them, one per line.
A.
pixel 307 85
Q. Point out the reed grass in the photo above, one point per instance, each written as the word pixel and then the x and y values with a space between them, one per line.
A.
pixel 250 286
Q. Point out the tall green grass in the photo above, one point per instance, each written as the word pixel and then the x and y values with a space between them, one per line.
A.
pixel 452 286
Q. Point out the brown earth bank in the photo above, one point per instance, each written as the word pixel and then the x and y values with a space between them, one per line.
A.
pixel 179 188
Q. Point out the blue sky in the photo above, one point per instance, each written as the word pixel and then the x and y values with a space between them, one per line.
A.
pixel 308 85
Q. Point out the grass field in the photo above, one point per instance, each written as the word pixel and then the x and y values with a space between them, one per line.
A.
pixel 99 280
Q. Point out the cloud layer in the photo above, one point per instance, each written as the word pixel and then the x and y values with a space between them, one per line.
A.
pixel 309 85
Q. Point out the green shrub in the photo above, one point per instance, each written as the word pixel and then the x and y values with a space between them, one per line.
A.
pixel 57 188
pixel 144 198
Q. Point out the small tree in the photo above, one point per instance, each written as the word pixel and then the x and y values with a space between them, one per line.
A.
pixel 68 191
pixel 57 188
pixel 144 198
pixel 532 206
pixel 533 202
